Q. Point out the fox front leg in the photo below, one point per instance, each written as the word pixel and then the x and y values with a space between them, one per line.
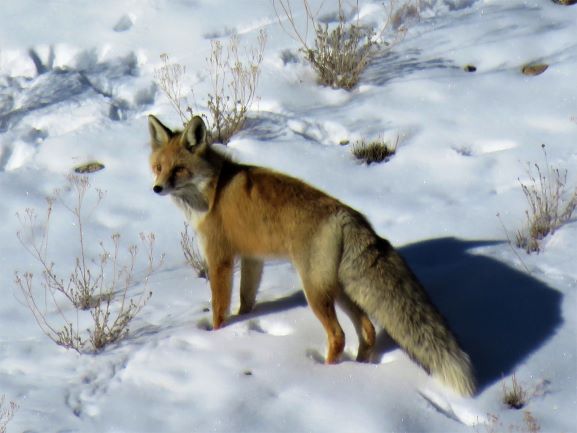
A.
pixel 220 275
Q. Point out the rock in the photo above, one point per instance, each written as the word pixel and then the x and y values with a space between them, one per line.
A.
pixel 89 167
pixel 124 23
pixel 534 69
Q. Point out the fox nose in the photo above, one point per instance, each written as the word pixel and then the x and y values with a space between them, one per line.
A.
pixel 157 189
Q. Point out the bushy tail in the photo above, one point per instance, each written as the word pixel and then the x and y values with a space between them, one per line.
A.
pixel 377 278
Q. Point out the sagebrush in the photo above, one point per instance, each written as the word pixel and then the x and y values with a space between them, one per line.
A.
pixel 340 52
pixel 95 291
pixel 233 80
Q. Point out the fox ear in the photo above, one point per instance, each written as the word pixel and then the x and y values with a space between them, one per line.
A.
pixel 195 132
pixel 159 134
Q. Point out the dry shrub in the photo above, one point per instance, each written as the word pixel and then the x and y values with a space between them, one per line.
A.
pixel 374 151
pixel 96 288
pixel 233 80
pixel 341 52
pixel 192 255
pixel 234 83
pixel 550 204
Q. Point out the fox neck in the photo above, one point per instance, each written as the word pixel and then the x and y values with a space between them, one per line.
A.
pixel 199 197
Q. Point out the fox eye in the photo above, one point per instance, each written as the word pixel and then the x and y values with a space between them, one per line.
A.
pixel 157 168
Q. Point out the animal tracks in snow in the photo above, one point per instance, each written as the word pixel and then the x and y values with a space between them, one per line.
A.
pixel 41 85
pixel 96 376
pixel 270 327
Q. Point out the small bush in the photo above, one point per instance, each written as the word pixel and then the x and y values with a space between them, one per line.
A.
pixel 339 53
pixel 550 204
pixel 7 412
pixel 375 151
pixel 192 255
pixel 97 288
pixel 233 79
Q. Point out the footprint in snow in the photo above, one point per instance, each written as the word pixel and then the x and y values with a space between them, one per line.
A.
pixel 275 328
pixel 318 357
pixel 204 324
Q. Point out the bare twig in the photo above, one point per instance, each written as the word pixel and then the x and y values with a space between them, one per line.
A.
pixel 192 255
pixel 6 413
pixel 169 77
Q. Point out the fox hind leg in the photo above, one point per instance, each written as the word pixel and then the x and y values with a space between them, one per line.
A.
pixel 363 326
pixel 322 302
pixel 250 275
pixel 317 263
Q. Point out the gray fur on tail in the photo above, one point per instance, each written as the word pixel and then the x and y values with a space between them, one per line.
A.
pixel 377 278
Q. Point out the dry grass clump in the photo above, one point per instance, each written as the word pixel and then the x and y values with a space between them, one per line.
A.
pixel 233 80
pixel 95 292
pixel 550 204
pixel 515 396
pixel 374 151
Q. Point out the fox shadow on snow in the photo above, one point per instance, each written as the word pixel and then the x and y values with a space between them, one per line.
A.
pixel 500 315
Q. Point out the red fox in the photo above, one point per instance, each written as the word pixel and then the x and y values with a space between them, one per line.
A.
pixel 253 213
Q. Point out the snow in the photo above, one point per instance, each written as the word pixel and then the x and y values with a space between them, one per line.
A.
pixel 76 85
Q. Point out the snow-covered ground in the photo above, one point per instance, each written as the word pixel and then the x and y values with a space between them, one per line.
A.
pixel 76 84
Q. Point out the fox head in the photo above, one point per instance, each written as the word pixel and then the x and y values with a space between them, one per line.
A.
pixel 178 158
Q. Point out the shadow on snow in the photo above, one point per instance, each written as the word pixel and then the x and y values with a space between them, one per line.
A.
pixel 500 315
